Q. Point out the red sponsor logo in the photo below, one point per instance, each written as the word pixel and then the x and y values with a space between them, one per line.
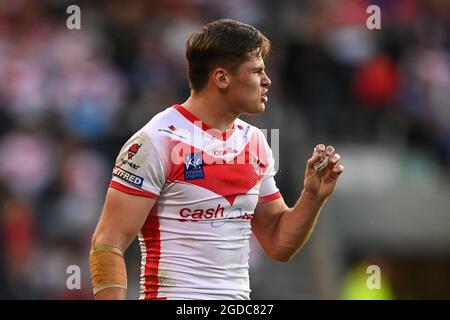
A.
pixel 222 152
pixel 196 215
pixel 133 150
pixel 201 214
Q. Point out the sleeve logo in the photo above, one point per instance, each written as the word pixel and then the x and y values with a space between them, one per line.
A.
pixel 133 150
pixel 128 177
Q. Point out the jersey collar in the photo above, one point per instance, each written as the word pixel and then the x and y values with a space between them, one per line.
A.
pixel 223 135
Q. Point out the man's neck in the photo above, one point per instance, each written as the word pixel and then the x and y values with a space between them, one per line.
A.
pixel 211 111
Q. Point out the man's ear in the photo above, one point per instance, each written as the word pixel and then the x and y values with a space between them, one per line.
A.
pixel 221 78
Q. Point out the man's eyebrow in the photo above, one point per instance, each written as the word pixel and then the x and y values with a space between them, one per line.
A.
pixel 261 67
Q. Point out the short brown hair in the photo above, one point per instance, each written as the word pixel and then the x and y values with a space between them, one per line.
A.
pixel 225 43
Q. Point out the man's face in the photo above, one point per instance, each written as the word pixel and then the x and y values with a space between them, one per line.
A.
pixel 249 85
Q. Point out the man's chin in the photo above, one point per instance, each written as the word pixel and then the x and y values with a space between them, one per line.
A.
pixel 258 109
pixel 254 109
pixel 262 107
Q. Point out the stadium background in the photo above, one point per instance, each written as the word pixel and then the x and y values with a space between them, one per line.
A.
pixel 70 98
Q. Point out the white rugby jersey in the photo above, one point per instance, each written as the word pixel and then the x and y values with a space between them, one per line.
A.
pixel 195 241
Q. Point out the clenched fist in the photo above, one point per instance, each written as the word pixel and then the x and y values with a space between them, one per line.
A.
pixel 322 172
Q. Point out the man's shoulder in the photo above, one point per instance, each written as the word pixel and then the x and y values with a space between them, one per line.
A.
pixel 156 131
pixel 167 125
pixel 161 121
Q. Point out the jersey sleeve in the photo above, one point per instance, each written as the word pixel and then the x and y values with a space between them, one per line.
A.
pixel 139 169
pixel 268 190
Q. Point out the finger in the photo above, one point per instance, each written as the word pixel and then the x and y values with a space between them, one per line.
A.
pixel 315 157
pixel 336 171
pixel 319 148
pixel 334 160
pixel 329 151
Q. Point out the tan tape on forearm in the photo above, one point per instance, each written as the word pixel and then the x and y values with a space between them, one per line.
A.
pixel 108 268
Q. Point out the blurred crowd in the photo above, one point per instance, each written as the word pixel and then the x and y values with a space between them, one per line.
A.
pixel 69 99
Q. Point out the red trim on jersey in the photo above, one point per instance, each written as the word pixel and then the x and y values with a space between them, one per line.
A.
pixel 118 186
pixel 151 235
pixel 194 119
pixel 270 197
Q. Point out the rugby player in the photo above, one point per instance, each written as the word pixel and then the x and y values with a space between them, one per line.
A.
pixel 196 181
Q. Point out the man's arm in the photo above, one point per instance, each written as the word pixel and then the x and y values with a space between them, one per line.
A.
pixel 122 217
pixel 283 231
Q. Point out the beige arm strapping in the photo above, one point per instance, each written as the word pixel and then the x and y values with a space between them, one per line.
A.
pixel 107 267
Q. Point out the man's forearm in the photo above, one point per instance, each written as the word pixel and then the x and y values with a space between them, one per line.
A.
pixel 295 226
pixel 108 272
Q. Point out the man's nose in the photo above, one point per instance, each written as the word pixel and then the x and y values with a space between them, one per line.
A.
pixel 266 82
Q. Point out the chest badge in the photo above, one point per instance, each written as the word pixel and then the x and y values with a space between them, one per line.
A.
pixel 193 166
